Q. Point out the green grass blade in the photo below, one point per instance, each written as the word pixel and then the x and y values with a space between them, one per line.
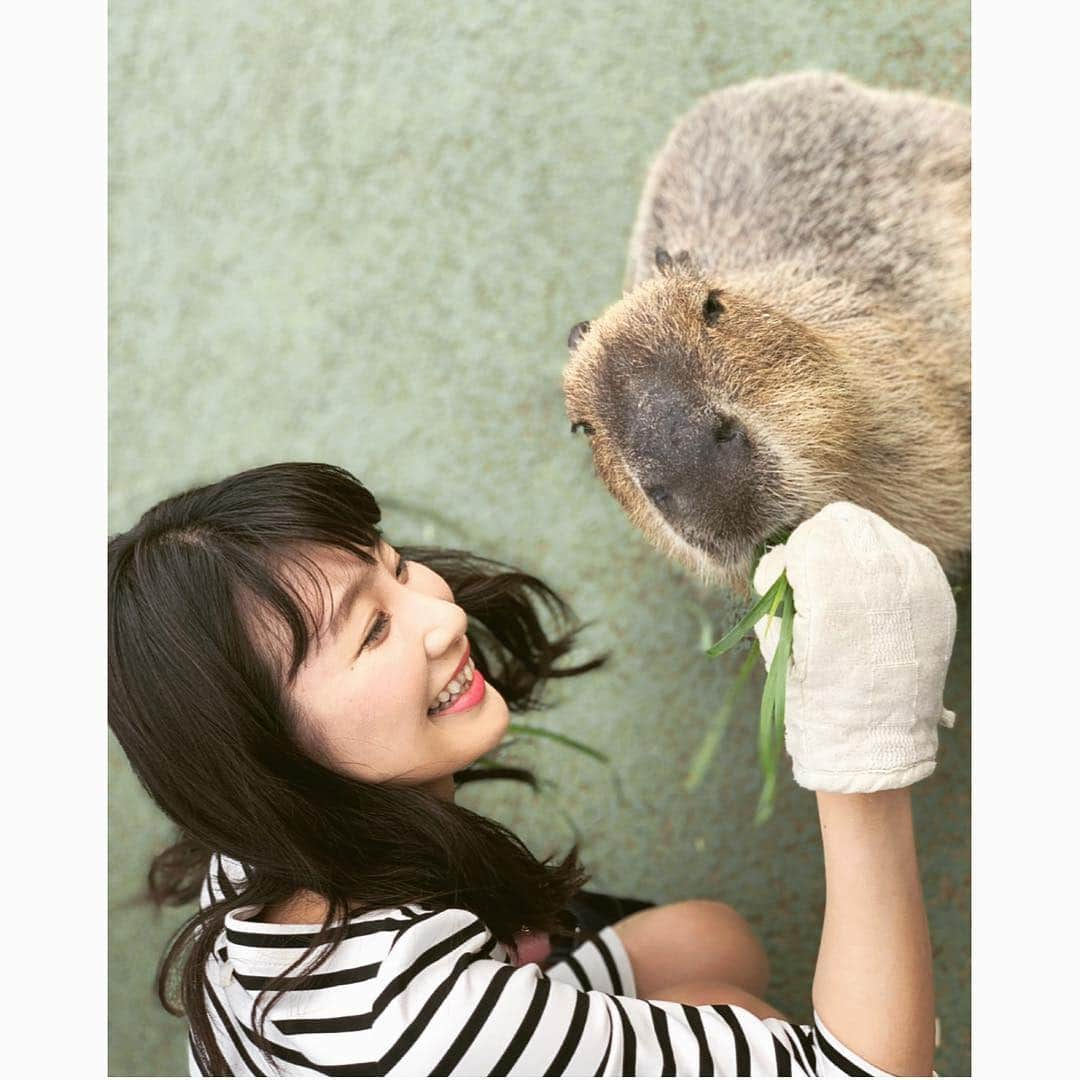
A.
pixel 527 730
pixel 783 658
pixel 780 594
pixel 784 648
pixel 771 720
pixel 555 736
pixel 766 801
pixel 746 623
pixel 706 634
pixel 778 597
pixel 765 719
pixel 705 752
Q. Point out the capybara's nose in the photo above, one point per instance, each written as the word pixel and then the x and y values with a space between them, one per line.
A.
pixel 683 456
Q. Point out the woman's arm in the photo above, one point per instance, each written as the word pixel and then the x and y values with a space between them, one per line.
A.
pixel 873 986
pixel 872 637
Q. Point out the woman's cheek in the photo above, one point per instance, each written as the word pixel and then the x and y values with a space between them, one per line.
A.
pixel 400 689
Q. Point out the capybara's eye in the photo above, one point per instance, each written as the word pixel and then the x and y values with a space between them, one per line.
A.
pixel 713 308
pixel 581 425
pixel 579 331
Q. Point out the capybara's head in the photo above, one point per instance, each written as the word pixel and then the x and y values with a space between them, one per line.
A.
pixel 716 422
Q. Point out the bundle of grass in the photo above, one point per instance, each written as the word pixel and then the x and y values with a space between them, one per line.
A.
pixel 778 601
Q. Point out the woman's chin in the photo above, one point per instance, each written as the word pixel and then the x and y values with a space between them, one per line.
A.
pixel 495 722
pixel 470 734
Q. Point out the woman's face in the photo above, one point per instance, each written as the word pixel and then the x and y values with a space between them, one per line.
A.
pixel 387 690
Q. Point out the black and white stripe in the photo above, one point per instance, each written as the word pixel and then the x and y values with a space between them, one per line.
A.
pixel 742 1047
pixel 418 992
pixel 835 1055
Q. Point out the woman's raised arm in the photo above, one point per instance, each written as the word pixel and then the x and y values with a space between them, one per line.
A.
pixel 874 985
pixel 873 634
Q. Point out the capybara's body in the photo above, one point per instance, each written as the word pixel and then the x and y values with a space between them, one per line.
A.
pixel 796 327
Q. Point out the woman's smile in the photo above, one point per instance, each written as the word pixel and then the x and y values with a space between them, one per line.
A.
pixel 455 685
pixel 470 691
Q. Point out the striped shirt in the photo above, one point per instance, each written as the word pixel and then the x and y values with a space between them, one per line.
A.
pixel 414 991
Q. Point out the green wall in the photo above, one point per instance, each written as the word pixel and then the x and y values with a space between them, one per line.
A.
pixel 359 233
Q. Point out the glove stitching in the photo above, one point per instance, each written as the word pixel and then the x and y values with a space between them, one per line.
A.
pixel 860 770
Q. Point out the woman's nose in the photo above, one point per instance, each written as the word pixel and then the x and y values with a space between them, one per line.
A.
pixel 448 627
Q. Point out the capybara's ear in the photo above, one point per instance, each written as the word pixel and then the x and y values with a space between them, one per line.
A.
pixel 579 331
pixel 663 261
pixel 683 260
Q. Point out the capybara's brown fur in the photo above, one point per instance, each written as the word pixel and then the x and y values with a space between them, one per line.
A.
pixel 796 327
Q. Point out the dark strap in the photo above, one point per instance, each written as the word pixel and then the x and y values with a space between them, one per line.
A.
pixel 592 911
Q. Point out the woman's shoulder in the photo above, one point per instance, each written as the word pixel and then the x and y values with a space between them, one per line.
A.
pixel 306 910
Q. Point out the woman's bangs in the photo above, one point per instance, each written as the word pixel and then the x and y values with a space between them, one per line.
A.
pixel 288 591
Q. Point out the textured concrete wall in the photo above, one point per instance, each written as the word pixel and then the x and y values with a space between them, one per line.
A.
pixel 359 233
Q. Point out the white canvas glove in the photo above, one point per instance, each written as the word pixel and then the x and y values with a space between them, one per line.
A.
pixel 873 633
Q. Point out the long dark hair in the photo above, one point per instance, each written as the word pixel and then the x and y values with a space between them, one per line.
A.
pixel 203 717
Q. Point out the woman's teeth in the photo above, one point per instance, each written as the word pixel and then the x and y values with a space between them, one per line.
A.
pixel 454 689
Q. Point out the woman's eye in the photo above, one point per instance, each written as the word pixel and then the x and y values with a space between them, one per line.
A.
pixel 377 631
pixel 381 624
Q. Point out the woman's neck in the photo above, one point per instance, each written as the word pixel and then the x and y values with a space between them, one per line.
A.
pixel 303 907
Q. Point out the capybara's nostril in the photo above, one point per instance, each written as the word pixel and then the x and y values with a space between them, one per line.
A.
pixel 727 430
pixel 658 494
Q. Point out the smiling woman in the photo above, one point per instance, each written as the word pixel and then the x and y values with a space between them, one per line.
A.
pixel 302 700
pixel 389 691
pixel 272 664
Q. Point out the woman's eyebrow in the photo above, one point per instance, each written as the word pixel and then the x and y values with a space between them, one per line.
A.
pixel 345 603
